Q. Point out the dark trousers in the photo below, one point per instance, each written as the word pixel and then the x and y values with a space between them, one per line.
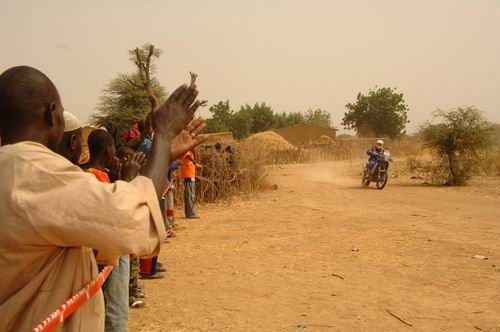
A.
pixel 189 198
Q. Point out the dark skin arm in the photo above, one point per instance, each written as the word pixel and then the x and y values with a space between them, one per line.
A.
pixel 184 141
pixel 193 161
pixel 170 124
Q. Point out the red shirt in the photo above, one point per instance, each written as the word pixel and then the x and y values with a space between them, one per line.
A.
pixel 131 133
pixel 100 175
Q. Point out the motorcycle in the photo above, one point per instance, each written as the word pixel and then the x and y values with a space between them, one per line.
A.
pixel 379 173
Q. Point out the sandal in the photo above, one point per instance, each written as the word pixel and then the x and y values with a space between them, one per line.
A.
pixel 137 304
pixel 152 276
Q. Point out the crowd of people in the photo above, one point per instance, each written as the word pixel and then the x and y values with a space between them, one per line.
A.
pixel 64 218
pixel 109 160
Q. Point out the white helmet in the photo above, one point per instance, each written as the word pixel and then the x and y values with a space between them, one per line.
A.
pixel 380 142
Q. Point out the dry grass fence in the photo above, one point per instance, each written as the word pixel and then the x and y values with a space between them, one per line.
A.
pixel 225 175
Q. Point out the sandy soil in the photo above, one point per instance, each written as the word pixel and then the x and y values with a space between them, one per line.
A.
pixel 323 254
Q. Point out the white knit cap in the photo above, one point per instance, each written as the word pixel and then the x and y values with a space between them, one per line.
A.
pixel 71 122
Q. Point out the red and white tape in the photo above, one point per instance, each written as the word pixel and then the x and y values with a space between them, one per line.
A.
pixel 169 185
pixel 74 302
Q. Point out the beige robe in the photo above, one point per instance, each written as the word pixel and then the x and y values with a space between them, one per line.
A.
pixel 51 213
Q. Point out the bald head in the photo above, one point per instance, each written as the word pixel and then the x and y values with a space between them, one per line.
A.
pixel 30 108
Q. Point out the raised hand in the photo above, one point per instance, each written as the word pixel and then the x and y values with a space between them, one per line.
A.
pixel 187 139
pixel 115 170
pixel 172 133
pixel 176 113
pixel 131 167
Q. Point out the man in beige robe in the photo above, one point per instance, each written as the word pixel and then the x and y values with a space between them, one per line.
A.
pixel 52 213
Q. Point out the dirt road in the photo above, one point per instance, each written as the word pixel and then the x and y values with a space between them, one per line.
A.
pixel 323 254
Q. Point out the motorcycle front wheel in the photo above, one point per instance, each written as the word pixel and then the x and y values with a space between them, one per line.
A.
pixel 365 180
pixel 381 180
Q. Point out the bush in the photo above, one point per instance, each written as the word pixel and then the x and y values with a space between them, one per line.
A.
pixel 497 163
pixel 491 162
pixel 459 142
pixel 431 171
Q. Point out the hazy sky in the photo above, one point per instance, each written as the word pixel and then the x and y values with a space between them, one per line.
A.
pixel 294 55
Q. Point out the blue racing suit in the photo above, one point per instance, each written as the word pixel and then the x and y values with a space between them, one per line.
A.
pixel 375 156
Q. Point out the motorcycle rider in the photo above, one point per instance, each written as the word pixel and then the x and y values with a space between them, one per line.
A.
pixel 375 152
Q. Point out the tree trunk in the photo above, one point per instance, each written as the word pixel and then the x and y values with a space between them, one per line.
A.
pixel 451 163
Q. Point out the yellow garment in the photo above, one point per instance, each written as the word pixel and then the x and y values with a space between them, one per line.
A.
pixel 51 213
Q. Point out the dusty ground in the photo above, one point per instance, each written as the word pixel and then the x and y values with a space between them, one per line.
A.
pixel 286 260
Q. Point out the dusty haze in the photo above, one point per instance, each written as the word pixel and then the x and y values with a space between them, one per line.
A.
pixel 294 55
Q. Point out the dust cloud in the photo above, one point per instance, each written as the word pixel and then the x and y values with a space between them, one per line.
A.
pixel 339 173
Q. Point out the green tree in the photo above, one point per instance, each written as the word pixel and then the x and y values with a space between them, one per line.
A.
pixel 222 117
pixel 382 112
pixel 318 117
pixel 282 120
pixel 458 141
pixel 496 132
pixel 123 103
pixel 241 125
pixel 261 115
pixel 294 118
pixel 129 97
